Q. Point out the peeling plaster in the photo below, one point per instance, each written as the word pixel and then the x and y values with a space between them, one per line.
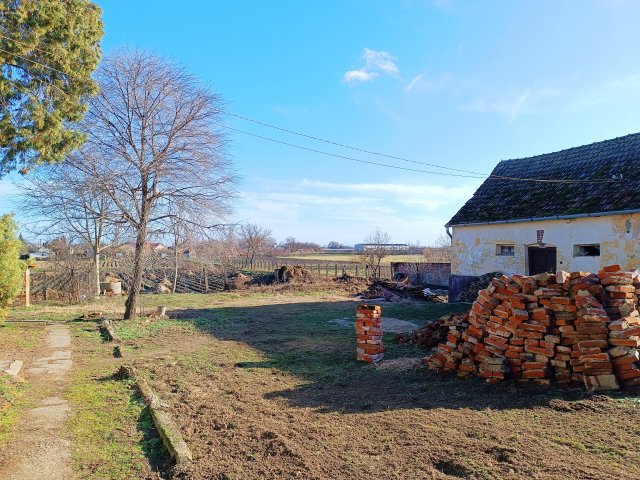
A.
pixel 474 246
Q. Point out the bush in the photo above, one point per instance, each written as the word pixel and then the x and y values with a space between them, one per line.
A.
pixel 11 267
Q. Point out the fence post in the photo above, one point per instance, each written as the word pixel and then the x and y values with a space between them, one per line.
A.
pixel 356 269
pixel 336 268
pixel 206 279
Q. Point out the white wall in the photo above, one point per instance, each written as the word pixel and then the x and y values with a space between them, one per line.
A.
pixel 474 247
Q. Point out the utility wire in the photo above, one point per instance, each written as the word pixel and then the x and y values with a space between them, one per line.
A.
pixel 357 149
pixel 472 174
pixel 344 156
pixel 491 177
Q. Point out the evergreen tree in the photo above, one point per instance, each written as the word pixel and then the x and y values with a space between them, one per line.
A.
pixel 48 51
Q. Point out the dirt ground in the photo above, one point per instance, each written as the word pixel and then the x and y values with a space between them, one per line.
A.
pixel 267 388
pixel 264 387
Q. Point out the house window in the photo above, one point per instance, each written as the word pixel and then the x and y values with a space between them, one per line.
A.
pixel 505 250
pixel 588 250
pixel 539 235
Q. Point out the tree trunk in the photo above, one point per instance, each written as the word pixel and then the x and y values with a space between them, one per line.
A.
pixel 175 269
pixel 138 267
pixel 96 271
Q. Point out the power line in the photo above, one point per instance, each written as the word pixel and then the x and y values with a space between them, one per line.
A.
pixel 491 177
pixel 473 174
pixel 344 156
pixel 36 63
pixel 350 147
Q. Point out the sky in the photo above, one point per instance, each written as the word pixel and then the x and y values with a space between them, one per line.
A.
pixel 459 84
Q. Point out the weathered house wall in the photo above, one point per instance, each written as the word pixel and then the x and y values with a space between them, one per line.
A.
pixel 474 246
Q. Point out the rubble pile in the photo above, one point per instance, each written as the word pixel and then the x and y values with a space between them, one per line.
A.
pixel 563 328
pixel 432 333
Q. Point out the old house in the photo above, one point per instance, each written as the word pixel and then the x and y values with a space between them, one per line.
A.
pixel 576 209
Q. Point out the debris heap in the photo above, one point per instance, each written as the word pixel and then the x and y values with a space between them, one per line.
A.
pixel 563 328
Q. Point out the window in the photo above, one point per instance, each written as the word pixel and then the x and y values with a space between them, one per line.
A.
pixel 505 250
pixel 588 250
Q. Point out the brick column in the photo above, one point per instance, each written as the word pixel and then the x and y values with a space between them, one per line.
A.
pixel 23 299
pixel 369 331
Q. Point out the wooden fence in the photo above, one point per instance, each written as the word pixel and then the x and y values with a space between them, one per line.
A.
pixel 326 269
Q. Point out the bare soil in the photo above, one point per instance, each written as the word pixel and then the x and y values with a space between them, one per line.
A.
pixel 268 389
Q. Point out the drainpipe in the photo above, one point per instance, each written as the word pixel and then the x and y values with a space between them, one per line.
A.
pixel 447 227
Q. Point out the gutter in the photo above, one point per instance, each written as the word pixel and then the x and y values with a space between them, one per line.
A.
pixel 537 219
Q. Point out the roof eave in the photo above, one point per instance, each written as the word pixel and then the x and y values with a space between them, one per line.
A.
pixel 552 217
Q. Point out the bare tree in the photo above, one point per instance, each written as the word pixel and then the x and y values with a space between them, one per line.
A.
pixel 223 250
pixel 255 240
pixel 64 200
pixel 151 142
pixel 440 251
pixel 375 249
pixel 177 229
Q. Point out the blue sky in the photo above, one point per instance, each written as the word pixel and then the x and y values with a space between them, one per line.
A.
pixel 461 84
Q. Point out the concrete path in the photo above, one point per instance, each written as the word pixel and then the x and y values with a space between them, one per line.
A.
pixel 41 450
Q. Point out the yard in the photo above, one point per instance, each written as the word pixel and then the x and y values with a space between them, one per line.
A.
pixel 263 386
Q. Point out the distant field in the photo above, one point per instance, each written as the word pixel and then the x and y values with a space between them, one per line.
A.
pixel 348 257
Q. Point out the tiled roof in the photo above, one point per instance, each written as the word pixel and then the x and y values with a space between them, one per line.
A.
pixel 500 199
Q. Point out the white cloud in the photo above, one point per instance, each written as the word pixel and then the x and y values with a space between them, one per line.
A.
pixel 516 102
pixel 375 63
pixel 321 211
pixel 358 76
pixel 381 61
pixel 414 82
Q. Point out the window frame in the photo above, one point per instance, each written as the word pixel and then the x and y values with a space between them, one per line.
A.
pixel 578 247
pixel 500 253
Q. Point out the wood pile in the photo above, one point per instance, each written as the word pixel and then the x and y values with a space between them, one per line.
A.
pixel 561 329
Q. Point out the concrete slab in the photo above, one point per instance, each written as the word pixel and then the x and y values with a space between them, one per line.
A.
pixel 49 454
pixel 58 337
pixel 14 368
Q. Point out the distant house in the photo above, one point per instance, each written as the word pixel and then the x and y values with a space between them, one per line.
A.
pixel 390 247
pixel 155 247
pixel 539 224
pixel 41 254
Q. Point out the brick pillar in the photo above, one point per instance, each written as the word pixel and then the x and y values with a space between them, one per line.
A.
pixel 369 332
pixel 23 299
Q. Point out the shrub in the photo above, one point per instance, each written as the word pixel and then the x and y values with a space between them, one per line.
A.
pixel 11 267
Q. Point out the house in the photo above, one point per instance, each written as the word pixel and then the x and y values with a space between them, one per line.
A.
pixel 575 210
pixel 154 247
pixel 41 254
pixel 389 247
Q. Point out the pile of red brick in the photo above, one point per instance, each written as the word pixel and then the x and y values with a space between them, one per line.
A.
pixel 564 328
pixel 369 331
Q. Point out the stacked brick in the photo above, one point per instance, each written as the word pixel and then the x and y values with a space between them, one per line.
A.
pixel 370 348
pixel 564 328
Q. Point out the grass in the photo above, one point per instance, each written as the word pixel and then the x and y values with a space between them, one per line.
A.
pixel 16 342
pixel 262 386
pixel 112 431
pixel 12 396
pixel 18 337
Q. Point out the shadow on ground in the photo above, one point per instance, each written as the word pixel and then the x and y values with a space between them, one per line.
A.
pixel 298 339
